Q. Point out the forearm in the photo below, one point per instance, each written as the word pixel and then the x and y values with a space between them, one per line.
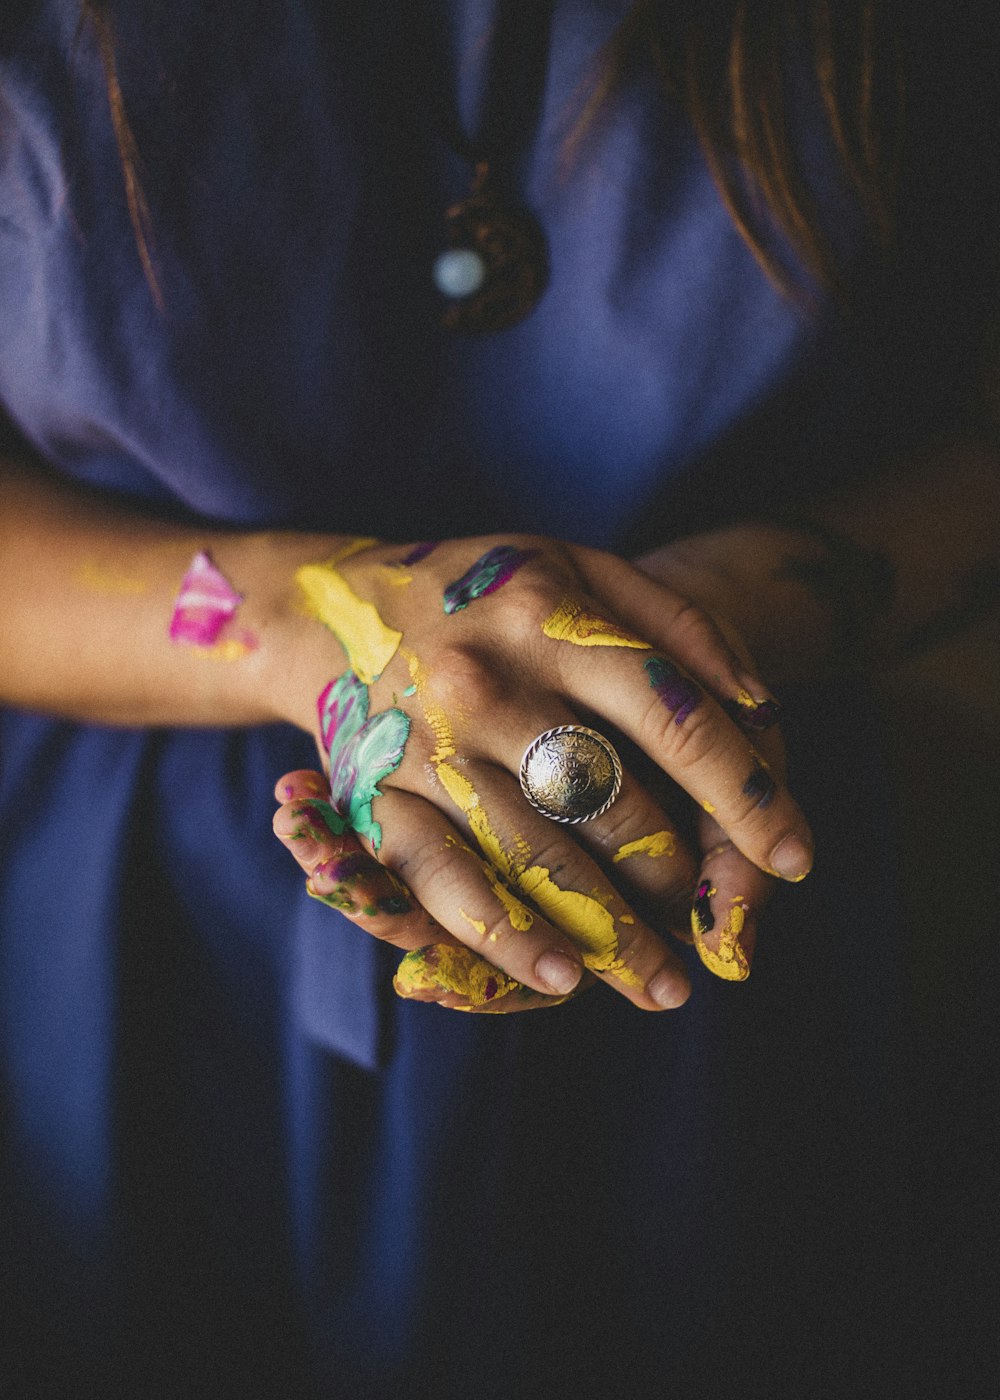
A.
pixel 896 564
pixel 89 589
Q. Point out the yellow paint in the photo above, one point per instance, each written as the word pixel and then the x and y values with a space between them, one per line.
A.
pixel 626 919
pixel 98 579
pixel 569 623
pixel 397 574
pixel 585 917
pixel 345 551
pixel 444 738
pixel 661 843
pixel 709 808
pixel 498 865
pixel 370 645
pixel 698 928
pixel 729 961
pixel 455 970
pixel 223 651
pixel 518 913
pixel 478 924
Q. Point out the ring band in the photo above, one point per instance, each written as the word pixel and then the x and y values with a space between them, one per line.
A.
pixel 571 774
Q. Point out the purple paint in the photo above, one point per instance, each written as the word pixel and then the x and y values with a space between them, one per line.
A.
pixel 418 552
pixel 677 692
pixel 490 572
pixel 204 605
pixel 340 869
pixel 759 785
pixel 761 715
pixel 704 918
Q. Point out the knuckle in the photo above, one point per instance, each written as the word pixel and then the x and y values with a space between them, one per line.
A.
pixel 692 742
pixel 464 675
pixel 527 607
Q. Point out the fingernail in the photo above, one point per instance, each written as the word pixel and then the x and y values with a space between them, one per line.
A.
pixel 558 972
pixel 668 990
pixel 791 859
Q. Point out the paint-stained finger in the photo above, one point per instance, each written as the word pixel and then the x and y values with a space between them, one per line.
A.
pixel 689 635
pixel 635 841
pixel 301 783
pixel 522 851
pixel 677 723
pixel 455 978
pixel 471 898
pixel 728 902
pixel 344 876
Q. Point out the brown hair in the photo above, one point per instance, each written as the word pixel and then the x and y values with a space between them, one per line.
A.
pixel 729 66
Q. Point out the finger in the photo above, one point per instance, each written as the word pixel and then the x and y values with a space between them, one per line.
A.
pixel 690 635
pixel 728 902
pixel 685 731
pixel 527 853
pixel 634 838
pixel 458 979
pixel 343 875
pixel 301 783
pixel 471 899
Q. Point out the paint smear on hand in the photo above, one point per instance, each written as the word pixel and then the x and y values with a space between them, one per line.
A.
pixel 728 961
pixel 98 579
pixel 569 623
pixel 702 918
pixel 362 752
pixel 361 887
pixel 661 843
pixel 444 745
pixel 490 572
pixel 443 968
pixel 760 785
pixel 678 693
pixel 584 917
pixel 205 603
pixel 370 645
pixel 233 648
pixel 418 552
pixel 751 713
pixel 346 551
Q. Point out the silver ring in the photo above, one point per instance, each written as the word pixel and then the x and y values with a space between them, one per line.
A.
pixel 571 774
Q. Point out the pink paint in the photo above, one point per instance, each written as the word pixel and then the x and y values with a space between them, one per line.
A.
pixel 204 605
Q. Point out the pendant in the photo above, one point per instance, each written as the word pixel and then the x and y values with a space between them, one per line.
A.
pixel 495 266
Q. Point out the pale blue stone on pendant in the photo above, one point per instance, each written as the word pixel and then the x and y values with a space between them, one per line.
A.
pixel 459 272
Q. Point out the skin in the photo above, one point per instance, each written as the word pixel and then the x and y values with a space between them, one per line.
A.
pixel 68 649
pixel 527 903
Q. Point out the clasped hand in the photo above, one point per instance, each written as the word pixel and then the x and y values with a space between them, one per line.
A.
pixel 458 655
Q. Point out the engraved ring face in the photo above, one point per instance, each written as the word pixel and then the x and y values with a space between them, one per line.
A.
pixel 571 774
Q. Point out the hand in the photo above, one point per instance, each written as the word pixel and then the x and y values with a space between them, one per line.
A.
pixel 463 657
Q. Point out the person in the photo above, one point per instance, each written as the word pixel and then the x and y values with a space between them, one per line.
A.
pixel 279 507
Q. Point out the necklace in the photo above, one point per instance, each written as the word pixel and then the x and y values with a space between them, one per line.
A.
pixel 494 266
